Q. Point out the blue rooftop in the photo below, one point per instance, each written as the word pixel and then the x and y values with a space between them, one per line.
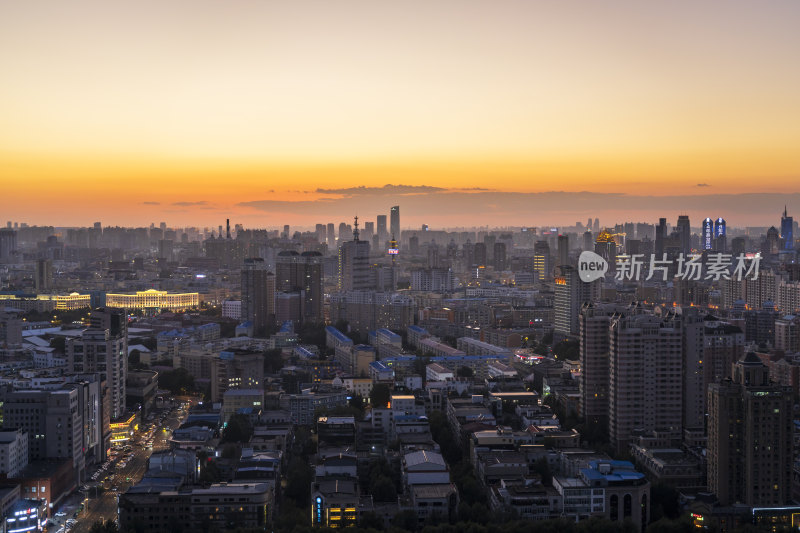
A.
pixel 398 359
pixel 389 333
pixel 341 337
pixel 380 366
pixel 417 329
pixel 304 352
pixel 364 347
pixel 620 471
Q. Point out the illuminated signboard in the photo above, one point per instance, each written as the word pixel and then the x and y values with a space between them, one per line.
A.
pixel 318 510
pixel 708 233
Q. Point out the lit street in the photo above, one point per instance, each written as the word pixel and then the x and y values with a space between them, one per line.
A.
pixel 102 502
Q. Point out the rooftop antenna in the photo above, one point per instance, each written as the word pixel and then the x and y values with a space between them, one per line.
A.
pixel 355 229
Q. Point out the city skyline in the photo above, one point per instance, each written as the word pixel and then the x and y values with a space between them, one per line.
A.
pixel 437 208
pixel 222 106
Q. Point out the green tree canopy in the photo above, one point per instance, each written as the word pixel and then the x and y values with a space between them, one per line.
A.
pixel 177 381
pixel 464 372
pixel 238 429
pixel 380 395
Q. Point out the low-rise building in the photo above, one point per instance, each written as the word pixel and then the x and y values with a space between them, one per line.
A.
pixel 221 506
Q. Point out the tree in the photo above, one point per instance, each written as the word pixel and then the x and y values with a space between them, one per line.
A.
pixel 273 361
pixel 237 430
pixel 420 365
pixel 59 343
pixel 150 343
pixel 464 372
pixel 382 489
pixel 177 381
pixel 299 476
pixel 542 467
pixel 209 471
pixel 370 520
pixel 406 520
pixel 380 395
pixel 312 333
pixel 680 525
pixel 568 349
pixel 230 451
pixel 356 401
pixel 109 526
pixel 664 502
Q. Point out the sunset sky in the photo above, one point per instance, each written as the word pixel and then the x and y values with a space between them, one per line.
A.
pixel 188 111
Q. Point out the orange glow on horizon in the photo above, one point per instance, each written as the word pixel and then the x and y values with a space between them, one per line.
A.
pixel 222 105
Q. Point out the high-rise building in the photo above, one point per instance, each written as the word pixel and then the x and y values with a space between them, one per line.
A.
pixel 645 231
pixel 737 246
pixel 588 241
pixel 773 240
pixel 750 437
pixel 381 229
pixel 331 234
pixel 606 247
pixel 433 255
pixel 369 231
pixel 479 254
pixel 489 241
pixel 394 221
pixel 43 275
pixel 52 419
pixel 787 229
pixel 354 266
pixel 563 250
pixel 720 229
pixel 258 295
pixel 102 348
pixel 594 324
pixel 645 381
pixel 542 262
pixel 8 244
pixel 707 238
pixel 661 236
pixel 344 233
pixel 413 245
pixel 571 293
pixel 684 234
pixel 166 249
pixel 499 256
pixel 301 273
pixel 321 232
pixel 694 387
